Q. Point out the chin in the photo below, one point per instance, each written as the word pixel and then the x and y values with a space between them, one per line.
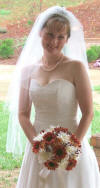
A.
pixel 53 51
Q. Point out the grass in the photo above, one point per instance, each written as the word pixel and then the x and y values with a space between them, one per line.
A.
pixel 65 3
pixel 97 88
pixel 17 9
pixel 4 12
pixel 6 159
pixel 96 122
pixel 20 42
pixel 7 162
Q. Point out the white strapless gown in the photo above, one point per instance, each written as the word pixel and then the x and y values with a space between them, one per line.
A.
pixel 56 104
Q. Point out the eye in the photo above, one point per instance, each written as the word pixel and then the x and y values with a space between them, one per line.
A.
pixel 61 37
pixel 50 34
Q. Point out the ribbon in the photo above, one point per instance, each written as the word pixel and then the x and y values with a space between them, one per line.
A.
pixel 44 172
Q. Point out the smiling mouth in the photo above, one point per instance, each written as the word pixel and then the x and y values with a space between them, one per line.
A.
pixel 51 47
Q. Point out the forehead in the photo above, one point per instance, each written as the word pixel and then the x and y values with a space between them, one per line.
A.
pixel 56 26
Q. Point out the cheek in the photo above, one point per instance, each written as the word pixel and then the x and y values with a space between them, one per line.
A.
pixel 45 42
pixel 46 39
pixel 62 43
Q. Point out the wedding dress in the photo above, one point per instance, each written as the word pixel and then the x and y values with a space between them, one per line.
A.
pixel 56 104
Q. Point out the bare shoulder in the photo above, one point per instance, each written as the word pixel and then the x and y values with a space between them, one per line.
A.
pixel 73 66
pixel 72 63
pixel 76 67
pixel 76 71
pixel 80 74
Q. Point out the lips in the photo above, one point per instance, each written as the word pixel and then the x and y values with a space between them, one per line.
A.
pixel 51 47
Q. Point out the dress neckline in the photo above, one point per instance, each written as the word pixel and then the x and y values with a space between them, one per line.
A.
pixel 52 82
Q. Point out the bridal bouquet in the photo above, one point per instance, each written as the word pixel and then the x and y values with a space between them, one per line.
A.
pixel 57 148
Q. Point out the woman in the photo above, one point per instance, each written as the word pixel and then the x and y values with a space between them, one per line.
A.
pixel 56 84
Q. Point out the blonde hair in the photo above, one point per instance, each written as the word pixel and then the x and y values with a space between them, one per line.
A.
pixel 57 18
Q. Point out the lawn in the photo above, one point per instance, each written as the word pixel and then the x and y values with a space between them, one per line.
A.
pixel 6 160
pixel 97 88
pixel 96 119
pixel 16 9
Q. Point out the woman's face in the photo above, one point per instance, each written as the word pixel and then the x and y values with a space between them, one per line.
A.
pixel 54 37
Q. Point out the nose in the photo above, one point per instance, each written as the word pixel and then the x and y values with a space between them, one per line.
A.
pixel 54 41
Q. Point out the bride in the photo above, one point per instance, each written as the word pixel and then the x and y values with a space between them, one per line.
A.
pixel 53 76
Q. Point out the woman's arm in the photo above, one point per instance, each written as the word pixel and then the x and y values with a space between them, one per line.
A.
pixel 84 96
pixel 24 114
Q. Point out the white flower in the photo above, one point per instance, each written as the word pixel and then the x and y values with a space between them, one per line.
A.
pixel 44 156
pixel 71 149
pixel 50 129
pixel 64 137
pixel 64 163
pixel 39 137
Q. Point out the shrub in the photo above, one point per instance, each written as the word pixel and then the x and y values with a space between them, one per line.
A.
pixel 93 53
pixel 6 48
pixel 30 22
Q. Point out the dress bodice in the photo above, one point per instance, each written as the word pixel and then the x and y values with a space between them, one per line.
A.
pixel 55 103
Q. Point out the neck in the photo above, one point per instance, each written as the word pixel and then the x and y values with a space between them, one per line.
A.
pixel 51 59
pixel 46 62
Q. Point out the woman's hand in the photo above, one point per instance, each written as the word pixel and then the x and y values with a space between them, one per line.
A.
pixel 34 135
pixel 27 126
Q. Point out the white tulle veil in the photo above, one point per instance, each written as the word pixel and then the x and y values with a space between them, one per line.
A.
pixel 31 53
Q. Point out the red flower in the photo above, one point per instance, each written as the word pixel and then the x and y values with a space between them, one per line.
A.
pixel 75 141
pixel 71 164
pixel 49 138
pixel 51 165
pixel 36 146
pixel 58 129
pixel 60 152
pixel 58 141
pixel 43 144
pixel 42 131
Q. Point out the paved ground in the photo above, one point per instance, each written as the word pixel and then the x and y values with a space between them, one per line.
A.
pixel 92 41
pixel 5 78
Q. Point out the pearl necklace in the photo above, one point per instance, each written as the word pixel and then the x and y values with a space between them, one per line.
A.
pixel 45 67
